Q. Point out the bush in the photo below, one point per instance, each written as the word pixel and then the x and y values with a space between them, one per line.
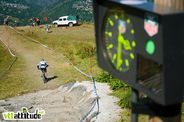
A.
pixel 114 83
pixel 120 89
pixel 125 99
pixel 70 56
pixel 86 52
pixel 104 77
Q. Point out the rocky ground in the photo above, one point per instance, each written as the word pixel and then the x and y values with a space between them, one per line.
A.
pixel 68 103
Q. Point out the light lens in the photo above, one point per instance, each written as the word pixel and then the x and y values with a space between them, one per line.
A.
pixel 150 47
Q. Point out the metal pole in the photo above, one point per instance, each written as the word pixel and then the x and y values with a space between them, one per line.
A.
pixel 135 98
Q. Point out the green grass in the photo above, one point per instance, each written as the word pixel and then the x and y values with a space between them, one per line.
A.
pixel 124 94
pixel 7 77
pixel 13 84
pixel 79 40
pixel 5 60
pixel 126 113
pixel 16 81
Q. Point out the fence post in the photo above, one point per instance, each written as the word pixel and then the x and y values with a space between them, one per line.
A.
pixel 73 57
pixel 90 64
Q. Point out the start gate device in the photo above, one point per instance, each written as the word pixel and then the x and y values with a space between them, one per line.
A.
pixel 143 45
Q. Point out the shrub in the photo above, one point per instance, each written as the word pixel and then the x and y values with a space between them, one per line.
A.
pixel 104 77
pixel 114 83
pixel 120 89
pixel 86 52
pixel 70 54
pixel 125 98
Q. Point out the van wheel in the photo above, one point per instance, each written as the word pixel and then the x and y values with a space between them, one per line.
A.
pixel 70 24
pixel 55 25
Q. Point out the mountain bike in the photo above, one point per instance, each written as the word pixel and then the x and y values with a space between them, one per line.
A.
pixel 44 71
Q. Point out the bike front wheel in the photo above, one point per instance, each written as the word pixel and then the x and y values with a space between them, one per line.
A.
pixel 44 77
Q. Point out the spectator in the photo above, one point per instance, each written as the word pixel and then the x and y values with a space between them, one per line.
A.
pixel 46 25
pixel 38 21
pixel 33 21
pixel 6 20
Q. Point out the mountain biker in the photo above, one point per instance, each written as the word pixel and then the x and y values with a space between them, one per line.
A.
pixel 42 66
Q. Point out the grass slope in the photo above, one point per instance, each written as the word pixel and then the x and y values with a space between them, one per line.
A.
pixel 5 60
pixel 24 77
pixel 79 40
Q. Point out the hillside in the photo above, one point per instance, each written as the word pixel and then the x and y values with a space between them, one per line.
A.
pixel 23 86
pixel 83 8
pixel 20 11
pixel 42 3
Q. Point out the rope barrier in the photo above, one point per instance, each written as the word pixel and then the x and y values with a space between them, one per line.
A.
pixel 86 115
pixel 11 64
pixel 76 68
pixel 11 53
pixel 89 76
pixel 29 38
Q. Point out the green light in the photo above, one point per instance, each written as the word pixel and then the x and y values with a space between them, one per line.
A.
pixel 150 47
pixel 128 21
pixel 114 58
pixel 133 44
pixel 110 46
pixel 132 31
pixel 116 17
pixel 127 62
pixel 108 33
pixel 111 22
pixel 132 56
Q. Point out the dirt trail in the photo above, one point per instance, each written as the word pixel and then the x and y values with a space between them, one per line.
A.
pixel 67 103
pixel 31 53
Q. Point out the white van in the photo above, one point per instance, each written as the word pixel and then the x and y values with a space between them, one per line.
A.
pixel 66 20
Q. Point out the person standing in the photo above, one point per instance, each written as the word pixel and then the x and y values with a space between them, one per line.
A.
pixel 37 21
pixel 6 20
pixel 33 21
pixel 46 25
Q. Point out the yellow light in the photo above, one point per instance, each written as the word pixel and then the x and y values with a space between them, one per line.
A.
pixel 133 44
pixel 127 62
pixel 111 22
pixel 116 16
pixel 132 31
pixel 132 56
pixel 114 58
pixel 108 33
pixel 110 46
pixel 128 21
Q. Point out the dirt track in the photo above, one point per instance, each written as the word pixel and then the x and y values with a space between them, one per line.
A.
pixel 31 53
pixel 64 104
pixel 68 103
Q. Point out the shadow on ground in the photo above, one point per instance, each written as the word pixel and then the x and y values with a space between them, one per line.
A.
pixel 50 78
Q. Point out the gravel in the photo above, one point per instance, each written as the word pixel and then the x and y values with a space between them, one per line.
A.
pixel 68 103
